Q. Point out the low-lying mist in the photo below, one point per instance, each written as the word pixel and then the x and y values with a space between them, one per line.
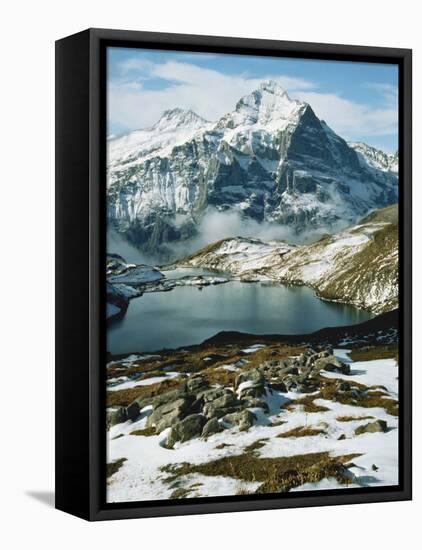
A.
pixel 214 226
pixel 117 244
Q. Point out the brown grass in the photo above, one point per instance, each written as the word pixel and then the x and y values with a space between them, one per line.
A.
pixel 218 376
pixel 146 431
pixel 301 431
pixel 352 418
pixel 307 403
pixel 329 392
pixel 242 491
pixel 365 399
pixel 369 353
pixel 272 351
pixel 114 467
pixel 223 445
pixel 122 398
pixel 258 444
pixel 275 474
pixel 180 492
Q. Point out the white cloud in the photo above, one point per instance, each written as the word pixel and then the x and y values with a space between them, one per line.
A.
pixel 351 119
pixel 211 94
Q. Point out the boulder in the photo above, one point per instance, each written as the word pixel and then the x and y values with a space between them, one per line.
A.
pixel 253 402
pixel 167 414
pixel 299 384
pixel 116 416
pixel 251 389
pixel 278 385
pixel 186 429
pixel 372 427
pixel 343 386
pixel 133 410
pixel 212 394
pixel 305 370
pixel 343 368
pixel 330 363
pixel 286 371
pixel 244 419
pixel 253 375
pixel 227 400
pixel 211 410
pixel 196 383
pixel 300 360
pixel 143 401
pixel 169 396
pixel 211 427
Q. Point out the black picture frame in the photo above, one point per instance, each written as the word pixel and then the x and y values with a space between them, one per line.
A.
pixel 80 261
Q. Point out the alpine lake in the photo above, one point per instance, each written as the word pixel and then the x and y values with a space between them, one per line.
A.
pixel 188 315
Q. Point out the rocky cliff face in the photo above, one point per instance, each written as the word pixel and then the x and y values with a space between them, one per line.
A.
pixel 376 158
pixel 357 266
pixel 271 159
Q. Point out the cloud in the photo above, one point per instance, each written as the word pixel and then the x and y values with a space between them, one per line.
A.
pixel 133 103
pixel 351 119
pixel 209 93
pixel 216 225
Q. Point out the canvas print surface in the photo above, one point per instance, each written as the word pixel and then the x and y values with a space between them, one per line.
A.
pixel 252 275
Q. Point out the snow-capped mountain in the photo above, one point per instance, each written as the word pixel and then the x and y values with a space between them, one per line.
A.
pixel 376 158
pixel 357 266
pixel 271 159
pixel 175 127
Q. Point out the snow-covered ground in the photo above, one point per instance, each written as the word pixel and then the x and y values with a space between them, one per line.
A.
pixel 140 477
pixel 125 383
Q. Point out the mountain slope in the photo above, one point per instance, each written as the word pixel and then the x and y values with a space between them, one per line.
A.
pixel 271 159
pixel 376 158
pixel 357 266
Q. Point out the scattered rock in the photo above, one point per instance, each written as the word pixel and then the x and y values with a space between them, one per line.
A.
pixel 251 390
pixel 253 375
pixel 143 401
pixel 212 394
pixel 253 402
pixel 133 410
pixel 186 429
pixel 196 383
pixel 372 427
pixel 211 427
pixel 169 396
pixel 278 385
pixel 244 419
pixel 169 413
pixel 211 410
pixel 330 363
pixel 116 416
pixel 299 384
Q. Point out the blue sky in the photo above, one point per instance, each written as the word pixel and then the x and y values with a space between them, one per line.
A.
pixel 358 100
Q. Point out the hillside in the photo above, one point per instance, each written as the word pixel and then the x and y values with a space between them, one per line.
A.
pixel 357 266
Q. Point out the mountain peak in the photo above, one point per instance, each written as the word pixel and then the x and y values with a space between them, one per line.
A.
pixel 267 106
pixel 387 162
pixel 273 87
pixel 173 118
